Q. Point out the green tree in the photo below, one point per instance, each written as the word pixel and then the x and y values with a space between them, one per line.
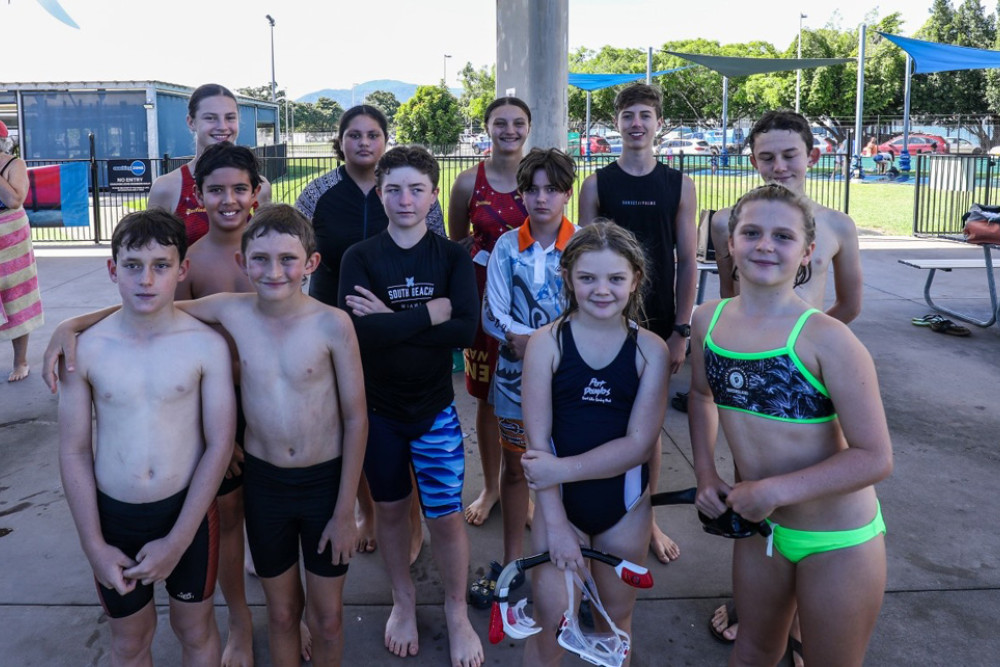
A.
pixel 609 60
pixel 697 92
pixel 331 110
pixel 829 93
pixel 962 95
pixel 431 117
pixel 478 91
pixel 260 92
pixel 385 101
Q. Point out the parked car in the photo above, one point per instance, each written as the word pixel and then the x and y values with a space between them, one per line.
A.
pixel 734 139
pixel 598 145
pixel 681 132
pixel 960 146
pixel 614 143
pixel 686 146
pixel 482 143
pixel 919 143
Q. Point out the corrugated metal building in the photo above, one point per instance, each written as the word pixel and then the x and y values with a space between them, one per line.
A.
pixel 129 119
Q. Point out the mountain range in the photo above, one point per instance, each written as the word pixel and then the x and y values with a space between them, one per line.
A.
pixel 346 98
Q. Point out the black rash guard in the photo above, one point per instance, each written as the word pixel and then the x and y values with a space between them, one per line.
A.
pixel 407 361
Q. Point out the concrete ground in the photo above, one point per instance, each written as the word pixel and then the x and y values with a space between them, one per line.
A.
pixel 940 395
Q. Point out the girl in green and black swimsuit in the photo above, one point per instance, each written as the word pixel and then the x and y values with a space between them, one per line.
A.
pixel 798 400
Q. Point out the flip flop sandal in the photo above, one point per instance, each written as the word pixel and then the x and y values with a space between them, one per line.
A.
pixel 950 328
pixel 481 590
pixel 732 620
pixel 927 320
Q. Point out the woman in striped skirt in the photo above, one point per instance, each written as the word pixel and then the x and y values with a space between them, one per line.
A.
pixel 20 303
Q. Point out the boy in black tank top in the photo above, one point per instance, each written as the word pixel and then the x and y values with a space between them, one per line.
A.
pixel 658 205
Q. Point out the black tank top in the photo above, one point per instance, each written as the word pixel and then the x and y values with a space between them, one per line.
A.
pixel 647 206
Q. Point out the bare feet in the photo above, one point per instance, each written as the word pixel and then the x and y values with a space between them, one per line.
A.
pixel 721 623
pixel 463 642
pixel 366 534
pixel 20 371
pixel 239 645
pixel 305 641
pixel 401 631
pixel 479 510
pixel 664 548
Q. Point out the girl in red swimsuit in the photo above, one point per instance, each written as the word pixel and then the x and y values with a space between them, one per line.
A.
pixel 485 203
pixel 213 116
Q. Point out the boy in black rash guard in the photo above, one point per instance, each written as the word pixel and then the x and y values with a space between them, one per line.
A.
pixel 657 204
pixel 412 296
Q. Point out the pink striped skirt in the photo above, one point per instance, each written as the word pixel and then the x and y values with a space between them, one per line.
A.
pixel 20 301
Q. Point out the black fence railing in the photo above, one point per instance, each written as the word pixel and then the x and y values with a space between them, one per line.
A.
pixel 945 186
pixel 718 182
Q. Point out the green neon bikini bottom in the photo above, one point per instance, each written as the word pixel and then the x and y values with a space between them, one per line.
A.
pixel 797 544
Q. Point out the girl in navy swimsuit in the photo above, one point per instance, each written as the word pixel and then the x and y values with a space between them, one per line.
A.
pixel 798 399
pixel 594 396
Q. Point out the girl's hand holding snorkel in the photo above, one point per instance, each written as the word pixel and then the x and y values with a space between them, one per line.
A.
pixel 711 498
pixel 754 501
pixel 564 546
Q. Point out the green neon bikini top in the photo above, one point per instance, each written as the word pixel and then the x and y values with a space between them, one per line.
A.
pixel 774 384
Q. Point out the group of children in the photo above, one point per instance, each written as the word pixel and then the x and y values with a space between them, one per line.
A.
pixel 591 322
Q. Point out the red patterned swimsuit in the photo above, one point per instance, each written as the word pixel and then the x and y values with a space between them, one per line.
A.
pixel 189 210
pixel 491 213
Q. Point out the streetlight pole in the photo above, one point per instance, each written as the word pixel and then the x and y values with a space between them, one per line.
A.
pixel 353 86
pixel 288 128
pixel 798 72
pixel 444 79
pixel 274 84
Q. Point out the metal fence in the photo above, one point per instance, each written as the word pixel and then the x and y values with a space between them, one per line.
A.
pixel 719 182
pixel 945 186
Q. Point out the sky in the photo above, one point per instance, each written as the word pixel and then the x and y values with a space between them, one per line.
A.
pixel 338 44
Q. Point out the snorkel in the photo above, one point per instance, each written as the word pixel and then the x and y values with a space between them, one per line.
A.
pixel 515 622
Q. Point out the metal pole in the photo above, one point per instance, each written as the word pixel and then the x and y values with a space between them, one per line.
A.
pixel 274 84
pixel 95 201
pixel 586 130
pixel 798 72
pixel 649 66
pixel 904 155
pixel 725 120
pixel 288 128
pixel 859 108
pixel 444 79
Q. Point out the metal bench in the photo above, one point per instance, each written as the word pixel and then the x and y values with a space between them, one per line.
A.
pixel 935 265
pixel 704 268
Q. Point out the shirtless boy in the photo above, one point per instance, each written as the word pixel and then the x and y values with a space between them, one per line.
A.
pixel 412 297
pixel 143 499
pixel 782 151
pixel 657 204
pixel 227 182
pixel 299 363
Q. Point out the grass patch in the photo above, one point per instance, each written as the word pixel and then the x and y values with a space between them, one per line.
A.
pixel 882 208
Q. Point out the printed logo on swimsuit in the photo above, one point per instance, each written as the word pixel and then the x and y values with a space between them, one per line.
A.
pixel 597 392
pixel 411 293
pixel 185 596
pixel 737 380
